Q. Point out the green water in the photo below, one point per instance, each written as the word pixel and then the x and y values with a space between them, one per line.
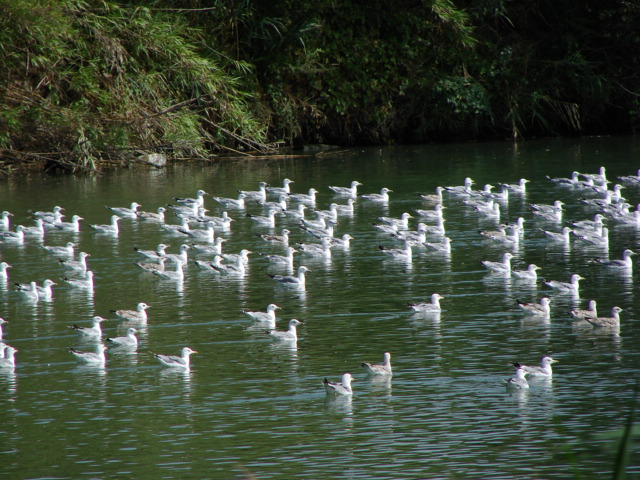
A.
pixel 250 408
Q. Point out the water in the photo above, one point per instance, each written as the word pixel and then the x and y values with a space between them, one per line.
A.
pixel 252 407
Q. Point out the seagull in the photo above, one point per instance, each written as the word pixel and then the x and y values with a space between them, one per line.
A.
pixel 297 213
pixel 55 215
pixel 158 252
pixel 280 205
pixel 232 202
pixel 284 190
pixel 566 182
pixel 519 382
pixel 79 265
pixel 152 266
pixel 351 191
pixel 431 215
pixel 612 321
pixel 266 221
pixel 433 197
pixel 9 360
pixel 72 226
pixel 125 212
pixel 85 283
pixel 382 197
pixel 309 199
pixel 599 178
pixel 630 179
pixel 44 291
pixel 342 242
pixel 93 331
pixel 283 238
pixel 398 253
pixel 129 341
pixel 174 361
pixel 443 247
pixel 177 229
pixel 157 216
pixel 4 275
pixel 202 235
pixel 581 314
pixel 268 317
pixel 38 229
pixel 213 266
pixel 176 275
pixel 544 370
pixel 520 187
pixel 261 193
pixel 503 267
pixel 91 358
pixel 182 257
pixel 2 322
pixel 528 274
pixel 401 223
pixel 67 250
pixel 215 249
pixel 290 335
pixel 571 287
pixel 339 388
pixel 236 267
pixel 137 315
pixel 222 222
pixel 30 293
pixel 111 228
pixel 625 263
pixel 5 220
pixel 234 257
pixel 538 309
pixel 298 281
pixel 281 260
pixel 347 209
pixel 428 307
pixel 198 201
pixel 379 369
pixel 560 237
pixel 322 250
pixel 17 236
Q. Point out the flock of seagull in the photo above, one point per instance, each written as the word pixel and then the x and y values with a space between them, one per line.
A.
pixel 200 234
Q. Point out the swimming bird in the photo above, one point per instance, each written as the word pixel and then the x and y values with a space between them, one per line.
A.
pixel 181 257
pixel 281 260
pixel 198 201
pixel 520 187
pixel 401 223
pixel 298 281
pixel 443 248
pixel 67 250
pixel 9 359
pixel 431 215
pixel 92 358
pixel 84 283
pixel 283 238
pixel 265 221
pixel 16 236
pixel 236 267
pixel 157 216
pixel 4 274
pixel 267 317
pixel 215 249
pixel 339 388
pixel 236 203
pixel 559 237
pixel 111 228
pixel 290 335
pixel 544 370
pixel 438 228
pixel 581 314
pixel 625 263
pixel 461 190
pixel 2 322
pixel 428 307
pixel 604 322
pixel 398 253
pixel 503 267
pixel 55 215
pixel 37 230
pixel 79 265
pixel 382 197
pixel 94 331
pixel 572 181
pixel 297 213
pixel 322 250
pixel 279 206
pixel 128 341
pixel 44 292
pixel 284 190
pixel 30 293
pixel 351 191
pixel 160 251
pixel 599 178
pixel 173 361
pixel 563 287
pixel 433 197
pixel 379 369
pixel 137 315
pixel 177 229
pixel 223 222
pixel 211 266
pixel 529 274
pixel 125 212
pixel 342 242
pixel 152 266
pixel 630 179
pixel 201 235
pixel 72 226
pixel 234 257
pixel 519 382
pixel 260 194
pixel 346 209
pixel 538 309
pixel 5 220
pixel 308 198
pixel 176 275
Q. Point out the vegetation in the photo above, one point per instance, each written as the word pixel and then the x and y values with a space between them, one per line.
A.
pixel 94 82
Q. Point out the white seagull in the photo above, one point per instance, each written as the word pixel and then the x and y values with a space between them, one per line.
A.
pixel 72 226
pixel 604 322
pixel 174 361
pixel 503 267
pixel 93 331
pixel 67 250
pixel 351 191
pixel 285 189
pixel 237 203
pixel 581 314
pixel 111 228
pixel 84 283
pixel 290 335
pixel 298 281
pixel 267 317
pixel 79 265
pixel 9 359
pixel 428 307
pixel 339 388
pixel 571 287
pixel 157 216
pixel 379 369
pixel 92 358
pixel 519 382
pixel 129 341
pixel 529 274
pixel 544 370
pixel 538 309
pixel 382 197
pixel 137 315
pixel 130 212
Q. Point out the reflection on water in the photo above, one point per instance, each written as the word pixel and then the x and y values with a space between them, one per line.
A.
pixel 250 401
